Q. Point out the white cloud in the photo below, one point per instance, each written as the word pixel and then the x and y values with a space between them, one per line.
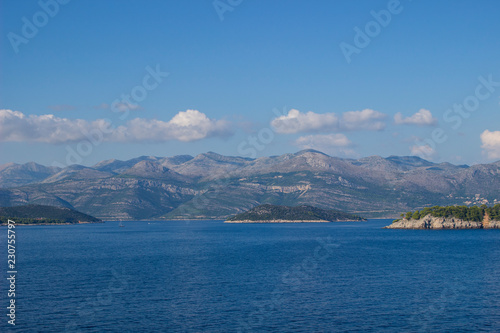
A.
pixel 15 126
pixel 298 122
pixel 423 151
pixel 187 125
pixel 366 119
pixel 334 144
pixel 491 144
pixel 422 118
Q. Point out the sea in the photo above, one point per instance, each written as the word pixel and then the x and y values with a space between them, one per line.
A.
pixel 208 276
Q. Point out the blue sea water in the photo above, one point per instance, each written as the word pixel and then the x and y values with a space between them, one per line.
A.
pixel 207 276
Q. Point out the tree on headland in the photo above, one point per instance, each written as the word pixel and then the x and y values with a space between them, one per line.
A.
pixel 474 213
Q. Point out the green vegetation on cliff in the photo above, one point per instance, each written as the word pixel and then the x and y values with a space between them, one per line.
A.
pixel 269 212
pixel 474 213
pixel 40 214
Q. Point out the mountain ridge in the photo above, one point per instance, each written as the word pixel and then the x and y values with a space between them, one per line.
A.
pixel 215 186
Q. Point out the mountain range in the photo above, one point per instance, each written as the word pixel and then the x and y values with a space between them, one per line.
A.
pixel 213 186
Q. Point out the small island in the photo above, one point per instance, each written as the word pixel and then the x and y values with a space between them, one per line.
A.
pixel 450 217
pixel 44 215
pixel 284 214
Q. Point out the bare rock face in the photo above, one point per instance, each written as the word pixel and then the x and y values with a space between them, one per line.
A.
pixel 431 222
pixel 493 225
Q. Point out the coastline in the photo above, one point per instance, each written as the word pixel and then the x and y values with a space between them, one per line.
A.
pixel 442 223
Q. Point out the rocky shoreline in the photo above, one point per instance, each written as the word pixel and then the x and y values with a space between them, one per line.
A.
pixel 431 222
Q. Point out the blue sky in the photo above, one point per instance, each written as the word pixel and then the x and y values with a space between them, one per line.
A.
pixel 266 79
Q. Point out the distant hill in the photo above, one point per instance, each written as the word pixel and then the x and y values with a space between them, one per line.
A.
pixel 12 174
pixel 40 214
pixel 213 186
pixel 272 213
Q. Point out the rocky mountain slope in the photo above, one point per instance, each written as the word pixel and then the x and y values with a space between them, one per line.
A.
pixel 12 174
pixel 216 186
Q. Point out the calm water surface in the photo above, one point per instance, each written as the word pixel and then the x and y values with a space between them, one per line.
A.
pixel 207 276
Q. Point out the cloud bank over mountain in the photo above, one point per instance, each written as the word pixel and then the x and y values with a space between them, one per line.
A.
pixel 491 143
pixel 299 122
pixel 422 118
pixel 189 125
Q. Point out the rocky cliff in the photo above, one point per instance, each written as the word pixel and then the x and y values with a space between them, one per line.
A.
pixel 431 222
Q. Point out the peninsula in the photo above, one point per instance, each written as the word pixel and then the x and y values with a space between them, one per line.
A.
pixel 284 214
pixel 450 217
pixel 43 215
